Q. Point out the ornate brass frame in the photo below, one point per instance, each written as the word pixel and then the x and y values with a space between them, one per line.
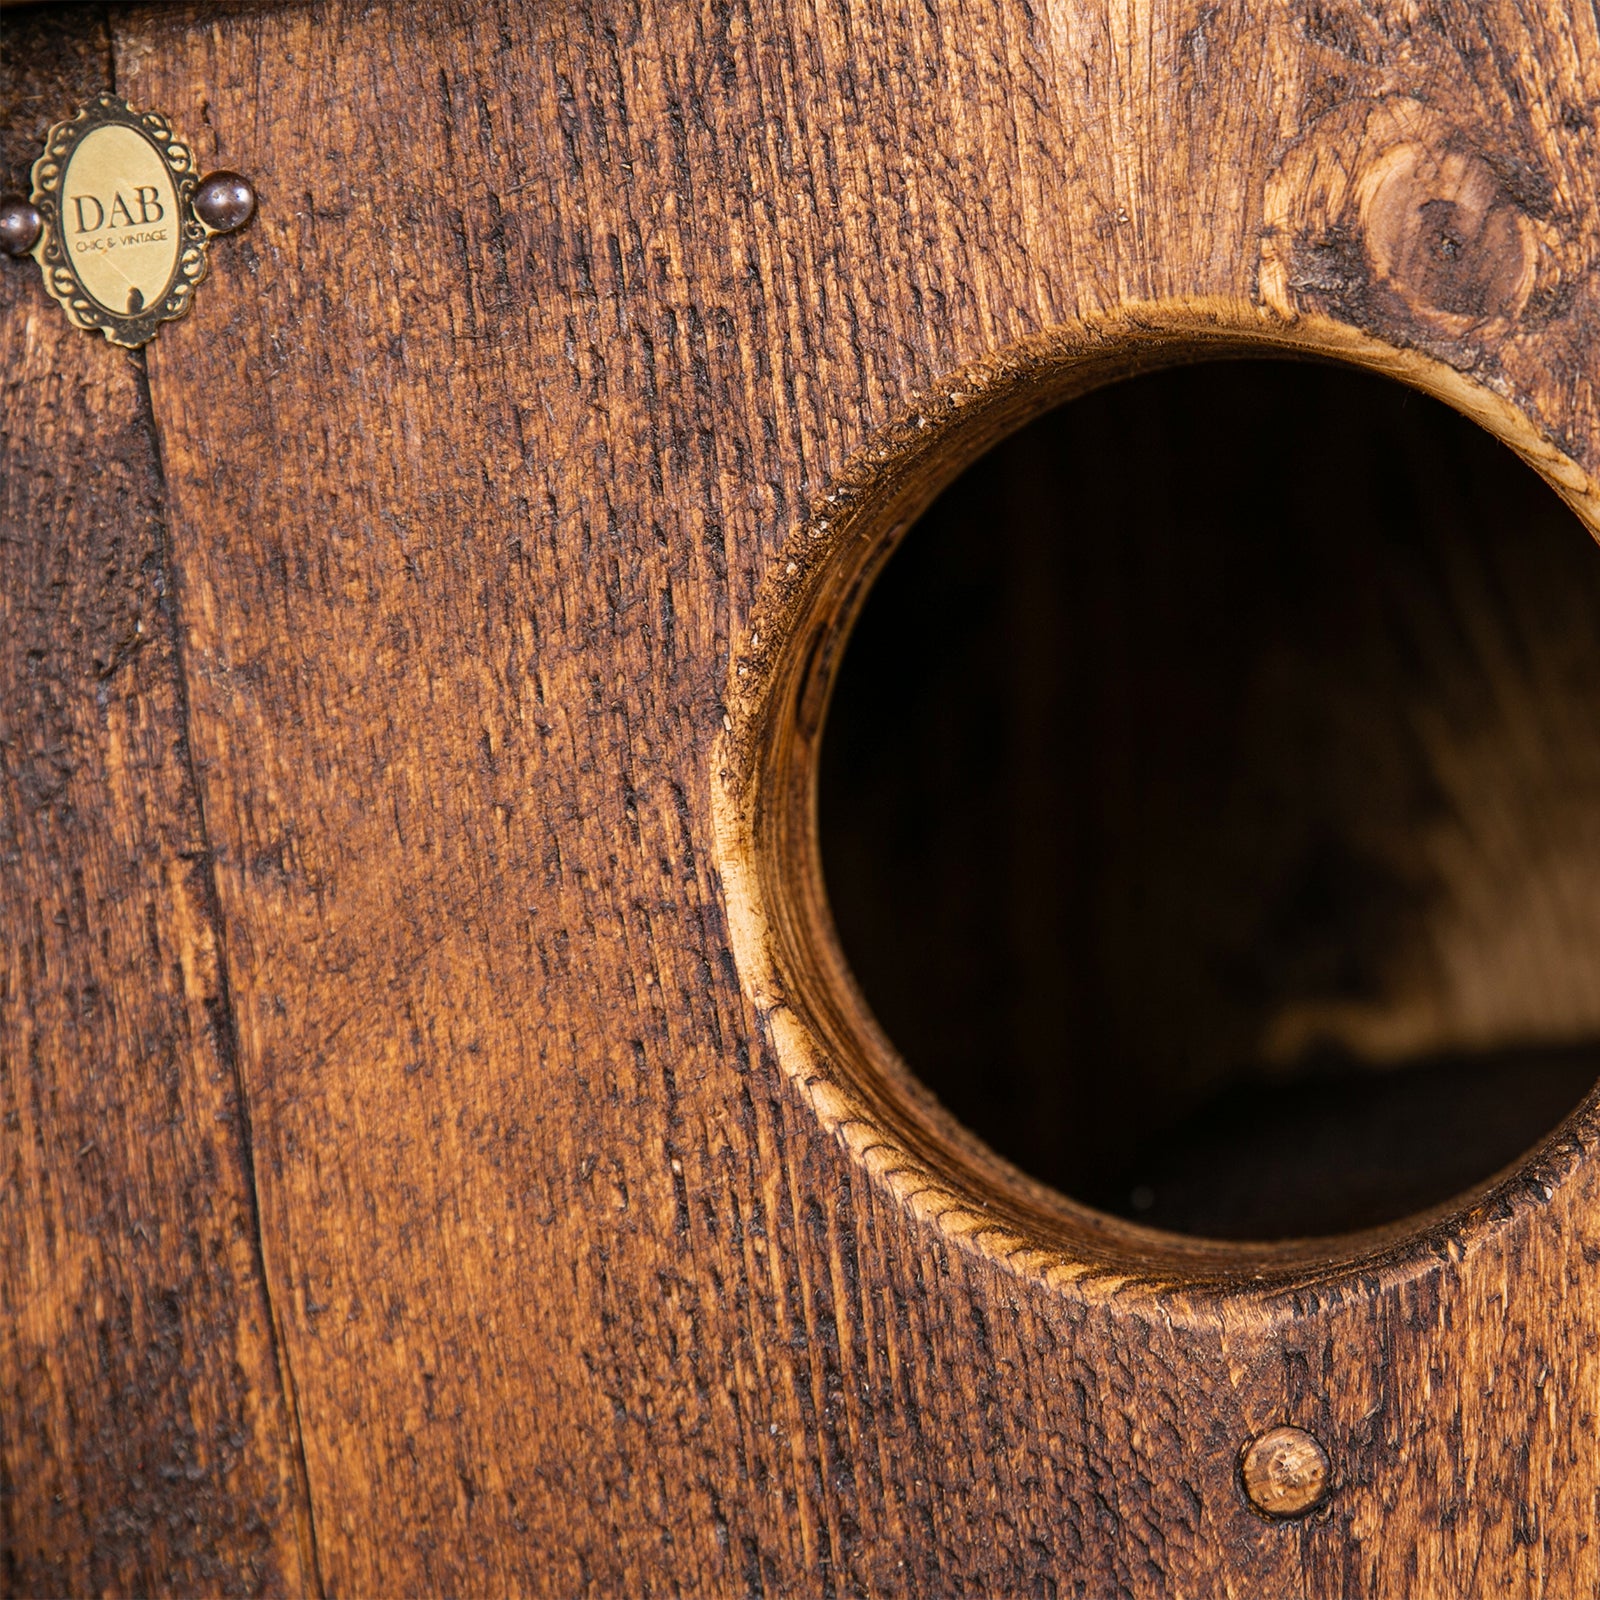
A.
pixel 61 279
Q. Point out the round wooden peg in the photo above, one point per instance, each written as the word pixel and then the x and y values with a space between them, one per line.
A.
pixel 1285 1472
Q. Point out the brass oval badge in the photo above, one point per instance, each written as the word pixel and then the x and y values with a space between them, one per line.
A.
pixel 121 249
pixel 120 220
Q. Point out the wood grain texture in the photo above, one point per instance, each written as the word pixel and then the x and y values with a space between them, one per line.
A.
pixel 146 1444
pixel 579 365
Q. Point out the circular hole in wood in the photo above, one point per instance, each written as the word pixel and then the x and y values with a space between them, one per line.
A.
pixel 1209 801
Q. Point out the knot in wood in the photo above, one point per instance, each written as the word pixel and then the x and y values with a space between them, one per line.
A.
pixel 1441 230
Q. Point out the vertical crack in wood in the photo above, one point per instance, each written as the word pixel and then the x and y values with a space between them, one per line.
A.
pixel 228 1031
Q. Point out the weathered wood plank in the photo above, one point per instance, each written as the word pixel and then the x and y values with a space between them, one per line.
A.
pixel 146 1444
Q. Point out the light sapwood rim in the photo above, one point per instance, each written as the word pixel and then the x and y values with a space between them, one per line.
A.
pixel 764 797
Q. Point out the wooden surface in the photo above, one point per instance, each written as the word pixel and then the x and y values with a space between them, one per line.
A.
pixel 442 1153
pixel 147 1443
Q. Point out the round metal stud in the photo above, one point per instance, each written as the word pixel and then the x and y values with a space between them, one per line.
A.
pixel 20 225
pixel 224 201
pixel 1285 1472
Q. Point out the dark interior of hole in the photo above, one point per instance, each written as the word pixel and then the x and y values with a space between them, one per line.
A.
pixel 1210 801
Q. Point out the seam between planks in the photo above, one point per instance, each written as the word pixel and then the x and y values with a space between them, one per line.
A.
pixel 228 1033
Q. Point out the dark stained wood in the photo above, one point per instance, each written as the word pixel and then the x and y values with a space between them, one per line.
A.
pixel 524 460
pixel 146 1445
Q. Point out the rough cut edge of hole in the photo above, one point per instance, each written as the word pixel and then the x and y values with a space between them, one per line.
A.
pixel 764 802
